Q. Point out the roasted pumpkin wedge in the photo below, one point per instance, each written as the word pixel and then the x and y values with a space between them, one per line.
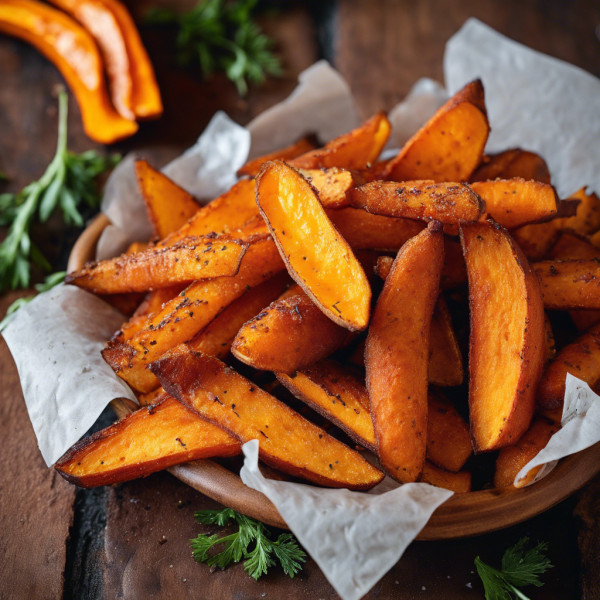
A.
pixel 150 439
pixel 449 147
pixel 316 255
pixel 74 52
pixel 397 353
pixel 507 344
pixel 287 441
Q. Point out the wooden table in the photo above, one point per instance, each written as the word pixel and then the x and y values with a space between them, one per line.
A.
pixel 131 541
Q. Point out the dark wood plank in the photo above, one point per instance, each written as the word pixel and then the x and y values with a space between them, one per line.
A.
pixel 36 504
pixel 384 47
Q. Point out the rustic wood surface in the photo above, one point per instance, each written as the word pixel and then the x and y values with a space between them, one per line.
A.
pixel 131 541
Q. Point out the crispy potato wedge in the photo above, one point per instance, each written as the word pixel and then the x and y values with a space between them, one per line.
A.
pixel 218 336
pixel 148 440
pixel 581 359
pixel 333 392
pixel 396 354
pixel 448 203
pixel 228 212
pixel 287 441
pixel 450 145
pixel 183 317
pixel 302 146
pixel 515 202
pixel 332 184
pixel 354 150
pixel 448 438
pixel 569 284
pixel 316 255
pixel 507 344
pixel 445 359
pixel 364 231
pixel 189 260
pixel 459 483
pixel 291 334
pixel 513 458
pixel 513 163
pixel 169 206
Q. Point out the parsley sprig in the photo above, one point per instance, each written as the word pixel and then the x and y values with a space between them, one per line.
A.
pixel 222 35
pixel 69 182
pixel 259 558
pixel 520 568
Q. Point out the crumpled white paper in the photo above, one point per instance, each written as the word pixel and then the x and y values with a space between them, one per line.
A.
pixel 56 342
pixel 355 538
pixel 64 398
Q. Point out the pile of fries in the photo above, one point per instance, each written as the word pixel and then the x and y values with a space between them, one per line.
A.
pixel 313 307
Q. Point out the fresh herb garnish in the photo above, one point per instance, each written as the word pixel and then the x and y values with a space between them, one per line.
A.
pixel 519 568
pixel 50 282
pixel 69 182
pixel 257 560
pixel 222 35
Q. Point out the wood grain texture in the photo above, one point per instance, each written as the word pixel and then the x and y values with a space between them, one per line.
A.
pixel 36 504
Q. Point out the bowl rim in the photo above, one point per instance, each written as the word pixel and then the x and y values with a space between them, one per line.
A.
pixel 462 515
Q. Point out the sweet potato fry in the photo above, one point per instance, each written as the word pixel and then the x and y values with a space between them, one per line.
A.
pixel 513 163
pixel 287 441
pixel 354 150
pixel 459 483
pixel 302 146
pixel 148 440
pixel 513 458
pixel 153 397
pixel 364 231
pixel 507 347
pixel 316 255
pixel 332 184
pixel 449 203
pixel 189 260
pixel 125 303
pixel 169 206
pixel 536 240
pixel 450 145
pixel 226 213
pixel 136 247
pixel 218 336
pixel 515 202
pixel 587 218
pixel 183 317
pixel 445 360
pixel 550 342
pixel 581 359
pixel 448 439
pixel 337 395
pixel 291 334
pixel 569 284
pixel 396 355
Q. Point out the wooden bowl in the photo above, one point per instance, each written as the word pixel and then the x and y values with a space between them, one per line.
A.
pixel 463 515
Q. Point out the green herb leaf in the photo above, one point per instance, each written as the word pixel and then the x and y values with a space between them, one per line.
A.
pixel 50 282
pixel 257 559
pixel 222 35
pixel 67 184
pixel 519 568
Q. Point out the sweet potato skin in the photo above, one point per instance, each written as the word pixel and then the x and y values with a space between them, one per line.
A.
pixel 507 344
pixel 426 200
pixel 514 203
pixel 513 458
pixel 569 284
pixel 287 441
pixel 169 206
pixel 302 146
pixel 459 483
pixel 450 145
pixel 513 163
pixel 316 255
pixel 289 335
pixel 148 440
pixel 354 150
pixel 396 354
pixel 337 395
pixel 581 359
pixel 190 259
pixel 448 438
